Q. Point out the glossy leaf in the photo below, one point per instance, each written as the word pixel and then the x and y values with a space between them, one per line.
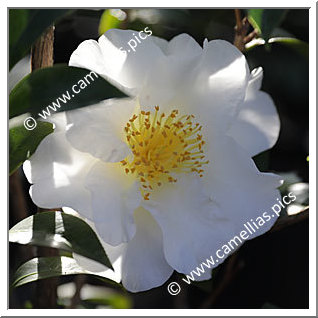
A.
pixel 25 26
pixel 46 86
pixel 266 20
pixel 46 267
pixel 255 18
pixel 60 230
pixel 271 19
pixel 299 46
pixel 23 143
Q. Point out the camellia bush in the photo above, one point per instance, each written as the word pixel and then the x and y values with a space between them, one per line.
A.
pixel 158 158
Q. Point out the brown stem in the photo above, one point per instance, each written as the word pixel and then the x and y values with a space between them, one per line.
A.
pixel 42 56
pixel 241 29
pixel 251 36
pixel 42 50
pixel 238 19
pixel 18 205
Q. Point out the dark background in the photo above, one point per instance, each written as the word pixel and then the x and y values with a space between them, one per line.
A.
pixel 268 272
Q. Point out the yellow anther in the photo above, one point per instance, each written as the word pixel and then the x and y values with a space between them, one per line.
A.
pixel 162 148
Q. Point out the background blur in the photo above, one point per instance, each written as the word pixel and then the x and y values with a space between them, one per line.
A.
pixel 268 272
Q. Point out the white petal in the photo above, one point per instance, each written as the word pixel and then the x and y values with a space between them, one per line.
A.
pixel 255 81
pixel 257 126
pixel 167 76
pixel 107 58
pixel 144 265
pixel 90 56
pixel 237 186
pixel 99 129
pixel 216 86
pixel 115 196
pixel 140 263
pixel 164 82
pixel 161 43
pixel 184 46
pixel 197 216
pixel 58 171
pixel 193 226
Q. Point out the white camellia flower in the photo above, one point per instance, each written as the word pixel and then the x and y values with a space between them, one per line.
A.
pixel 166 176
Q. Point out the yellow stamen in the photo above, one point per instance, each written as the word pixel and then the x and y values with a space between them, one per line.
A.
pixel 163 148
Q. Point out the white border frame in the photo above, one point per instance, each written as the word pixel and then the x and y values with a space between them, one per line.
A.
pixel 312 159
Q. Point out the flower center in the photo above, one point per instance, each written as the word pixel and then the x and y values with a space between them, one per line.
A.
pixel 163 146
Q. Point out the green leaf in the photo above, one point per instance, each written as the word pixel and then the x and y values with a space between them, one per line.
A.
pixel 62 231
pixel 255 18
pixel 110 19
pixel 266 20
pixel 46 267
pixel 46 86
pixel 25 26
pixel 23 143
pixel 271 19
pixel 299 46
